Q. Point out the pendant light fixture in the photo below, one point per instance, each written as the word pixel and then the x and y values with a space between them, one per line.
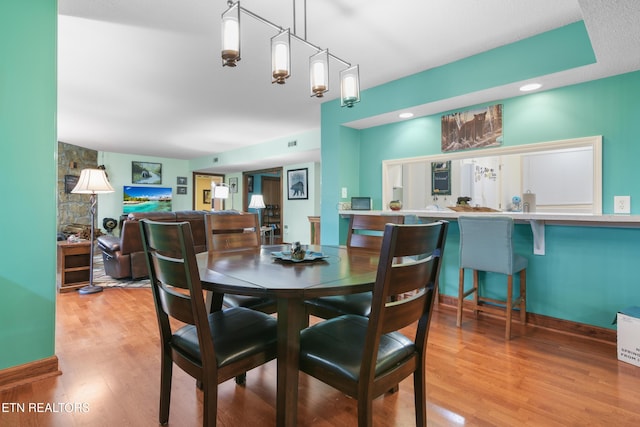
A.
pixel 319 73
pixel 231 35
pixel 349 86
pixel 281 56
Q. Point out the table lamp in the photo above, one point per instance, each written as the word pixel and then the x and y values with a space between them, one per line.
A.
pixel 92 181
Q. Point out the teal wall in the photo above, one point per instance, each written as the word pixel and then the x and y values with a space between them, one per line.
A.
pixel 28 180
pixel 588 273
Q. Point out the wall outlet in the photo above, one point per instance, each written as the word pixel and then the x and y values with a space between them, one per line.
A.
pixel 622 204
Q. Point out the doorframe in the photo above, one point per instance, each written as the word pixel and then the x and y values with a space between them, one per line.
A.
pixel 245 185
pixel 197 188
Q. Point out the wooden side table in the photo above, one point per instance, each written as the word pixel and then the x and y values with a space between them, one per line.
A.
pixel 73 265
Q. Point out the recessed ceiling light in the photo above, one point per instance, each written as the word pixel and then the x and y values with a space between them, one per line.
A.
pixel 405 115
pixel 529 87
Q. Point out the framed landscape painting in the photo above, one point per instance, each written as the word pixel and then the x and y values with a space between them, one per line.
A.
pixel 297 185
pixel 146 173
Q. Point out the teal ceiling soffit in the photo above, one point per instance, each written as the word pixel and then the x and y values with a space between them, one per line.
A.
pixel 553 51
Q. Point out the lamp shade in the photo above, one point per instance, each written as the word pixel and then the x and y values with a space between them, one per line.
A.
pixel 319 73
pixel 92 181
pixel 220 191
pixel 349 86
pixel 257 202
pixel 231 36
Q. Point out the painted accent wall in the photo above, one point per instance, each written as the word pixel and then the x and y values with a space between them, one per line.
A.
pixel 28 180
pixel 588 273
pixel 118 168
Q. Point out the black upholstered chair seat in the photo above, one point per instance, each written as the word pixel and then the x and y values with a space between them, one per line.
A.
pixel 359 304
pixel 231 329
pixel 337 344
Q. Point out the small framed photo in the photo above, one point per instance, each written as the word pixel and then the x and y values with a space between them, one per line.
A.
pixel 206 196
pixel 70 182
pixel 250 184
pixel 182 180
pixel 233 185
pixel 146 173
pixel 297 185
pixel 181 190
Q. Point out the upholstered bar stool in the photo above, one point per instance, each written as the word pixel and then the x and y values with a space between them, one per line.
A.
pixel 486 244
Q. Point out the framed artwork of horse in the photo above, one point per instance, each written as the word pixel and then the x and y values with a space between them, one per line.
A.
pixel 297 184
pixel 472 129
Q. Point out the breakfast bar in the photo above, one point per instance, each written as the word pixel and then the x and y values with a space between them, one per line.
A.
pixel 537 220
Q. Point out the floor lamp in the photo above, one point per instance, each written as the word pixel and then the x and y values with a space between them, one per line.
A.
pixel 92 181
pixel 218 191
pixel 257 202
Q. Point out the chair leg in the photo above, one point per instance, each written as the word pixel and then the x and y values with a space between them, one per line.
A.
pixel 523 296
pixel 509 307
pixel 241 379
pixel 460 297
pixel 476 295
pixel 165 389
pixel 210 405
pixel 365 412
pixel 420 396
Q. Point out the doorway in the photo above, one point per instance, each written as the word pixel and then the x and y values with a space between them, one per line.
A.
pixel 268 183
pixel 202 192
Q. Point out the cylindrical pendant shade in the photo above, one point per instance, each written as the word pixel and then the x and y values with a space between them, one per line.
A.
pixel 231 36
pixel 281 57
pixel 349 86
pixel 319 73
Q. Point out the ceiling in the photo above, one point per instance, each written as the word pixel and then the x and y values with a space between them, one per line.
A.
pixel 145 76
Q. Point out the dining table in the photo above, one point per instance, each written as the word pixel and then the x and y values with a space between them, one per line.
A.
pixel 270 272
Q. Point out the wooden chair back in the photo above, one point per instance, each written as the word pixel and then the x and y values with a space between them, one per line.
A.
pixel 177 293
pixel 371 356
pixel 230 232
pixel 365 231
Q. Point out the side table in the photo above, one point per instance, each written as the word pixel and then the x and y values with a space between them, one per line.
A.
pixel 73 265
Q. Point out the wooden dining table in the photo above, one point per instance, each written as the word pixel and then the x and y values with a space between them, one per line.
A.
pixel 258 272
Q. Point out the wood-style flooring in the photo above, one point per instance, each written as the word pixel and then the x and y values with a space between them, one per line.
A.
pixel 107 345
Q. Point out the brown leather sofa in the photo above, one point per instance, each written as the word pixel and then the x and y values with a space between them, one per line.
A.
pixel 124 255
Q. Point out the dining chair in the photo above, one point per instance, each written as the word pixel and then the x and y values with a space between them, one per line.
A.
pixel 231 232
pixel 212 348
pixel 486 244
pixel 365 357
pixel 365 233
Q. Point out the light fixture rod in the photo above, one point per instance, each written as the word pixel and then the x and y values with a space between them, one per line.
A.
pixel 279 28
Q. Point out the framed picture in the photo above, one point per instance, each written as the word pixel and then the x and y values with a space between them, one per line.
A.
pixel 146 173
pixel 182 180
pixel 471 129
pixel 181 190
pixel 233 185
pixel 70 182
pixel 250 184
pixel 206 196
pixel 297 186
pixel 441 178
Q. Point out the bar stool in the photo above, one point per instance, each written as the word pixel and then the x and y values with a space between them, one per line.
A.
pixel 486 244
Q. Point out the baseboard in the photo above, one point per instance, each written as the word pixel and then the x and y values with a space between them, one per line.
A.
pixel 551 323
pixel 29 372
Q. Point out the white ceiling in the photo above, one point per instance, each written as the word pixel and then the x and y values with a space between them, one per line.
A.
pixel 145 76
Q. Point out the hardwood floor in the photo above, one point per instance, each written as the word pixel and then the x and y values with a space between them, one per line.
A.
pixel 107 345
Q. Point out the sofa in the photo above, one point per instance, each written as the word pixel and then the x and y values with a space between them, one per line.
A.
pixel 124 255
